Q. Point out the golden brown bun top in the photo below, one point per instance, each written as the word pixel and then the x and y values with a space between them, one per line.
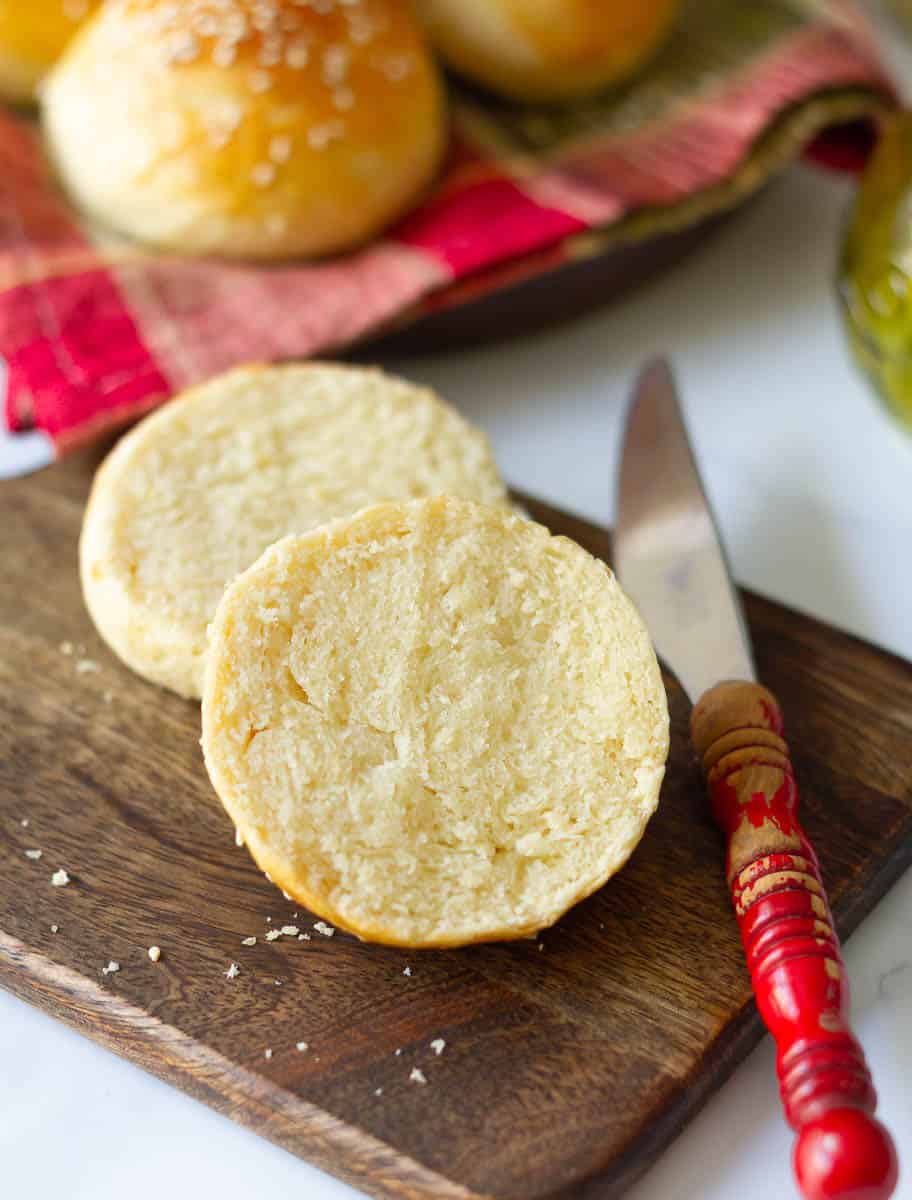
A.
pixel 349 46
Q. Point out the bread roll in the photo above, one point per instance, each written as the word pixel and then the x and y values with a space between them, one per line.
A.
pixel 260 129
pixel 433 723
pixel 199 489
pixel 33 34
pixel 546 49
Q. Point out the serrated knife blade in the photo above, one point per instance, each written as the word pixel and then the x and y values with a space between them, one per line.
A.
pixel 667 551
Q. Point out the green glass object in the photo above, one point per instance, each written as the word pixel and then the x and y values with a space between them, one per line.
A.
pixel 875 278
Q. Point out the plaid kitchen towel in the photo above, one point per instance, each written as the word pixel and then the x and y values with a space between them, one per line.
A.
pixel 95 331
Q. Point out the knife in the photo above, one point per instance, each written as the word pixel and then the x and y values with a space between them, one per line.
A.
pixel 669 558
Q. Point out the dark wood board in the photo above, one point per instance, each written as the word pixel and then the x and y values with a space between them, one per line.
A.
pixel 566 1069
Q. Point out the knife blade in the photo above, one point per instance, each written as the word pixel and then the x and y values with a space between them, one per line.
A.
pixel 670 558
pixel 668 553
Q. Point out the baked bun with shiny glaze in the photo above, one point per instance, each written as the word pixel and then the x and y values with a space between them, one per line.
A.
pixel 261 129
pixel 546 49
pixel 33 35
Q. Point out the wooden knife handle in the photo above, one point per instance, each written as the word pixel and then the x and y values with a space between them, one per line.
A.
pixel 791 946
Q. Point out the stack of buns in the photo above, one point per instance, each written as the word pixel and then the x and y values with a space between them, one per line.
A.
pixel 282 129
pixel 430 721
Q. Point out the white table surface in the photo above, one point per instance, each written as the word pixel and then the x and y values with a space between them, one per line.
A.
pixel 814 490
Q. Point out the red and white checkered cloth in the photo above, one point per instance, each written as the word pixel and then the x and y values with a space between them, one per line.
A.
pixel 95 332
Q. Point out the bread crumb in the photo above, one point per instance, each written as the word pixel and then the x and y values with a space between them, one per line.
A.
pixel 34 855
pixel 290 930
pixel 269 918
pixel 398 1052
pixel 303 937
pixel 267 1053
pixel 66 648
pixel 111 969
pixel 286 895
pixel 277 982
pixel 378 1091
pixel 272 934
pixel 54 928
pixel 417 1075
pixel 322 927
pixel 60 878
pixel 107 697
pixel 238 838
pixel 541 945
pixel 438 1045
pixel 87 666
pixel 233 971
pixel 154 953
pixel 408 971
pixel 24 822
pixel 301 1046
pixel 248 941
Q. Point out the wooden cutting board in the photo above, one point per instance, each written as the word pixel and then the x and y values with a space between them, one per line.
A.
pixel 569 1062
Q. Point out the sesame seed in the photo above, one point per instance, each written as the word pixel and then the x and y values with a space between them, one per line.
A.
pixel 290 930
pixel 154 953
pixel 322 927
pixel 280 148
pixel 398 1052
pixel 297 56
pixel 24 822
pixel 273 934
pixel 276 224
pixel 66 648
pixel 344 99
pixel 224 53
pixel 262 175
pixel 378 1091
pixel 260 81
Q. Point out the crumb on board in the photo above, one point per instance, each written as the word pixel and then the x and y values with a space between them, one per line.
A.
pixel 60 878
pixel 269 919
pixel 273 935
pixel 322 927
pixel 66 648
pixel 154 953
pixel 416 1075
pixel 267 1053
pixel 108 697
pixel 87 666
pixel 290 930
pixel 541 945
pixel 111 969
pixel 286 895
pixel 303 937
pixel 238 838
pixel 301 1046
pixel 378 1091
pixel 54 928
pixel 248 941
pixel 233 971
pixel 34 855
pixel 398 1052
pixel 24 822
pixel 438 1045
pixel 408 972
pixel 277 982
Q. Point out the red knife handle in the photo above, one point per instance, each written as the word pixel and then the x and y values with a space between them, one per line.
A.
pixel 791 947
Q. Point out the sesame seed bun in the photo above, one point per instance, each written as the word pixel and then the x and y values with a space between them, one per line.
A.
pixel 433 723
pixel 547 49
pixel 258 129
